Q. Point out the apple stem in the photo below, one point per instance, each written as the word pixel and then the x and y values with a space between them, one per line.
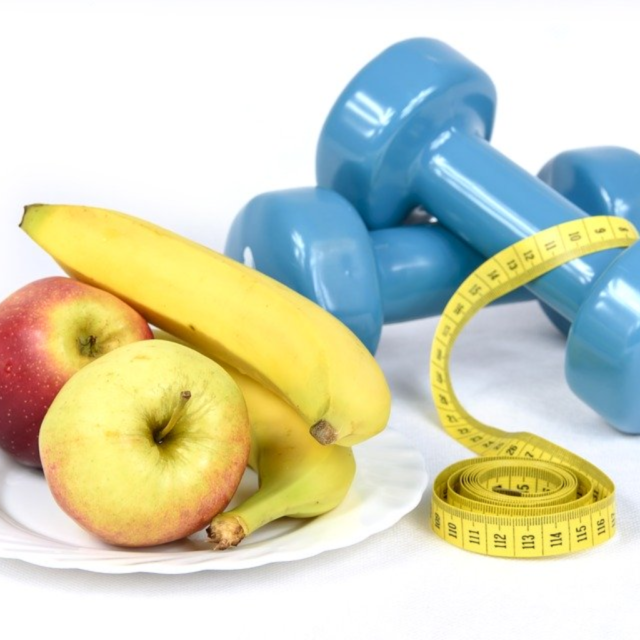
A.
pixel 175 416
pixel 88 346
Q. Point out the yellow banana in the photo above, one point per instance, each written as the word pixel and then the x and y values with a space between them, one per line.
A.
pixel 298 477
pixel 230 312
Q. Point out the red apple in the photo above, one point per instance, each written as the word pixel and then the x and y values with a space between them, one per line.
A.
pixel 50 329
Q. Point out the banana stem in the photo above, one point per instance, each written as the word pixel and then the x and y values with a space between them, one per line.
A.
pixel 324 432
pixel 226 530
pixel 175 416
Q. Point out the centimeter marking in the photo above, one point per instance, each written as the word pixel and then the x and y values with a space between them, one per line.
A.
pixel 525 497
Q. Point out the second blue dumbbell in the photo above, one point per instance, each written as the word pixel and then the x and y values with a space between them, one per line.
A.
pixel 313 240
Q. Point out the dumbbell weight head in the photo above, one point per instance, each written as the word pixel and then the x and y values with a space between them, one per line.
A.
pixel 400 102
pixel 314 241
pixel 599 180
pixel 311 240
pixel 486 200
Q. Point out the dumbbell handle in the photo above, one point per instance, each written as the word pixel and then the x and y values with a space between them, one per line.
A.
pixel 419 267
pixel 491 203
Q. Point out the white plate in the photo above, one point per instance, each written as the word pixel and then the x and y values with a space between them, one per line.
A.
pixel 389 483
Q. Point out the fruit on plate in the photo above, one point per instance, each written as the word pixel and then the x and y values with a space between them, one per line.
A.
pixel 147 444
pixel 229 311
pixel 49 329
pixel 297 476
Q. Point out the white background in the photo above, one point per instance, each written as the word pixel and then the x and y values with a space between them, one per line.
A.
pixel 180 112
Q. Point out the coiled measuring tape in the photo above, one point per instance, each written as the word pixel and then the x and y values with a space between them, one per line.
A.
pixel 525 497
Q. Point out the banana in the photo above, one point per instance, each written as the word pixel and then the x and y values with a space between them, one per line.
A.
pixel 230 312
pixel 298 477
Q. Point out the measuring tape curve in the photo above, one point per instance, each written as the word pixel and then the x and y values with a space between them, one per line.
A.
pixel 525 497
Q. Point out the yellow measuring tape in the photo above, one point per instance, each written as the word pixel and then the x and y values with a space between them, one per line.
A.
pixel 525 497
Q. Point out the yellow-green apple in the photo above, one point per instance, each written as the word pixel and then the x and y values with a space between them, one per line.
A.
pixel 146 444
pixel 49 329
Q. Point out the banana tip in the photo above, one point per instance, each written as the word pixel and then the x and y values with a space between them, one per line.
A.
pixel 323 432
pixel 25 211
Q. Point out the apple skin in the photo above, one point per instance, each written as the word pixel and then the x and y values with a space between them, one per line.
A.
pixel 46 328
pixel 99 452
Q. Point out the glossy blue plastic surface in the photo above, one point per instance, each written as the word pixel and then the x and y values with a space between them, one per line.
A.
pixel 315 242
pixel 419 269
pixel 411 129
pixel 599 180
pixel 419 266
pixel 312 241
pixel 605 180
pixel 603 350
pixel 398 104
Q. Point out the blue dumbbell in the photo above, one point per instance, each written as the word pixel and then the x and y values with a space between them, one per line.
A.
pixel 411 129
pixel 314 241
pixel 600 180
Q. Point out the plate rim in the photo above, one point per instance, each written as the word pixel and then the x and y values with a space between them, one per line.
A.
pixel 397 450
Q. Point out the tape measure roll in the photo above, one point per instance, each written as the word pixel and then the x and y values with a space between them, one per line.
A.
pixel 525 497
